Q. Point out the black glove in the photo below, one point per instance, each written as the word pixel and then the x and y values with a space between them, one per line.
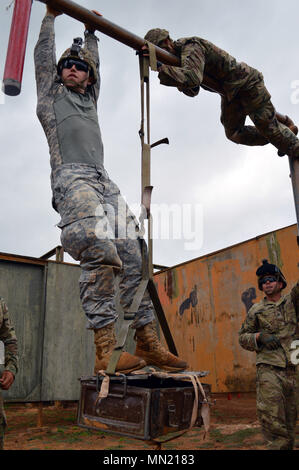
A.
pixel 269 341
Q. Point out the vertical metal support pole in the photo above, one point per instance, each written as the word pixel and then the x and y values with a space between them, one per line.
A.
pixel 145 148
pixel 146 154
pixel 294 168
pixel 148 185
pixel 146 189
pixel 15 57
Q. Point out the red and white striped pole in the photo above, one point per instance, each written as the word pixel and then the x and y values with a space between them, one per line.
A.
pixel 15 57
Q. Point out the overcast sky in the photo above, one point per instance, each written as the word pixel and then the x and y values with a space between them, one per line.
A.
pixel 232 192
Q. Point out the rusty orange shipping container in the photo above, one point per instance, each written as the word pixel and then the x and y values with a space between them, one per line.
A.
pixel 206 299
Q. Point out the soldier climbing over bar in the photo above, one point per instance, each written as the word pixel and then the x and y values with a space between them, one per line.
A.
pixel 98 228
pixel 244 95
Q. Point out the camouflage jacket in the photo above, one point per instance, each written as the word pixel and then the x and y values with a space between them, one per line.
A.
pixel 278 318
pixel 199 57
pixel 8 336
pixel 56 104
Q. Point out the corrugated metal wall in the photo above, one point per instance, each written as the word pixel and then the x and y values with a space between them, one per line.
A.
pixel 22 287
pixel 205 302
pixel 55 347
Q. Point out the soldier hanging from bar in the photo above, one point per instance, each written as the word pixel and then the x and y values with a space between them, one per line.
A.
pixel 88 201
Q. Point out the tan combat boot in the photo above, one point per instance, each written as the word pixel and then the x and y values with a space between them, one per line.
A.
pixel 151 350
pixel 105 341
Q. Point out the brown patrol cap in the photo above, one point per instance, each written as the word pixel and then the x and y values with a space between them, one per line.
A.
pixel 156 35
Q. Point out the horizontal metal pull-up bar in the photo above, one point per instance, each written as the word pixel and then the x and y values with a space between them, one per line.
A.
pixel 120 34
pixel 19 30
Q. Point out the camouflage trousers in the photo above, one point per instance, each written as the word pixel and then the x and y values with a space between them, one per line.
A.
pixel 108 247
pixel 276 405
pixel 2 423
pixel 255 102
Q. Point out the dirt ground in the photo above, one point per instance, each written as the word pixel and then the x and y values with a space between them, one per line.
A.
pixel 234 426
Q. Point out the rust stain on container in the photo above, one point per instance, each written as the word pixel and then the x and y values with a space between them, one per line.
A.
pixel 206 299
pixel 171 284
pixel 93 423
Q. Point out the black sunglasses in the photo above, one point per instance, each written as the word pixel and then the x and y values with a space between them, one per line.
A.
pixel 268 278
pixel 81 66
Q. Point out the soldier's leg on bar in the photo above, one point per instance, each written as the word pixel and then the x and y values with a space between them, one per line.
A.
pixel 233 119
pixel 88 240
pixel 263 115
pixel 271 407
pixel 128 246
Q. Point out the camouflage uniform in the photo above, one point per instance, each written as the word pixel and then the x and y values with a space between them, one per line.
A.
pixel 276 375
pixel 97 226
pixel 245 92
pixel 8 336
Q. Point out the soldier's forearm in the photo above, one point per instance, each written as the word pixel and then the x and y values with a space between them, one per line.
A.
pixel 91 44
pixel 44 52
pixel 182 78
pixel 12 367
pixel 168 77
pixel 248 334
pixel 47 33
pixel 190 74
pixel 248 341
pixel 11 357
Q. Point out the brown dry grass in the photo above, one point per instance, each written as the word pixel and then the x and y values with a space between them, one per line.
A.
pixel 234 426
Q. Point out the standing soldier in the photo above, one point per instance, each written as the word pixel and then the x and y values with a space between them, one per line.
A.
pixel 8 337
pixel 270 330
pixel 94 230
pixel 244 91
